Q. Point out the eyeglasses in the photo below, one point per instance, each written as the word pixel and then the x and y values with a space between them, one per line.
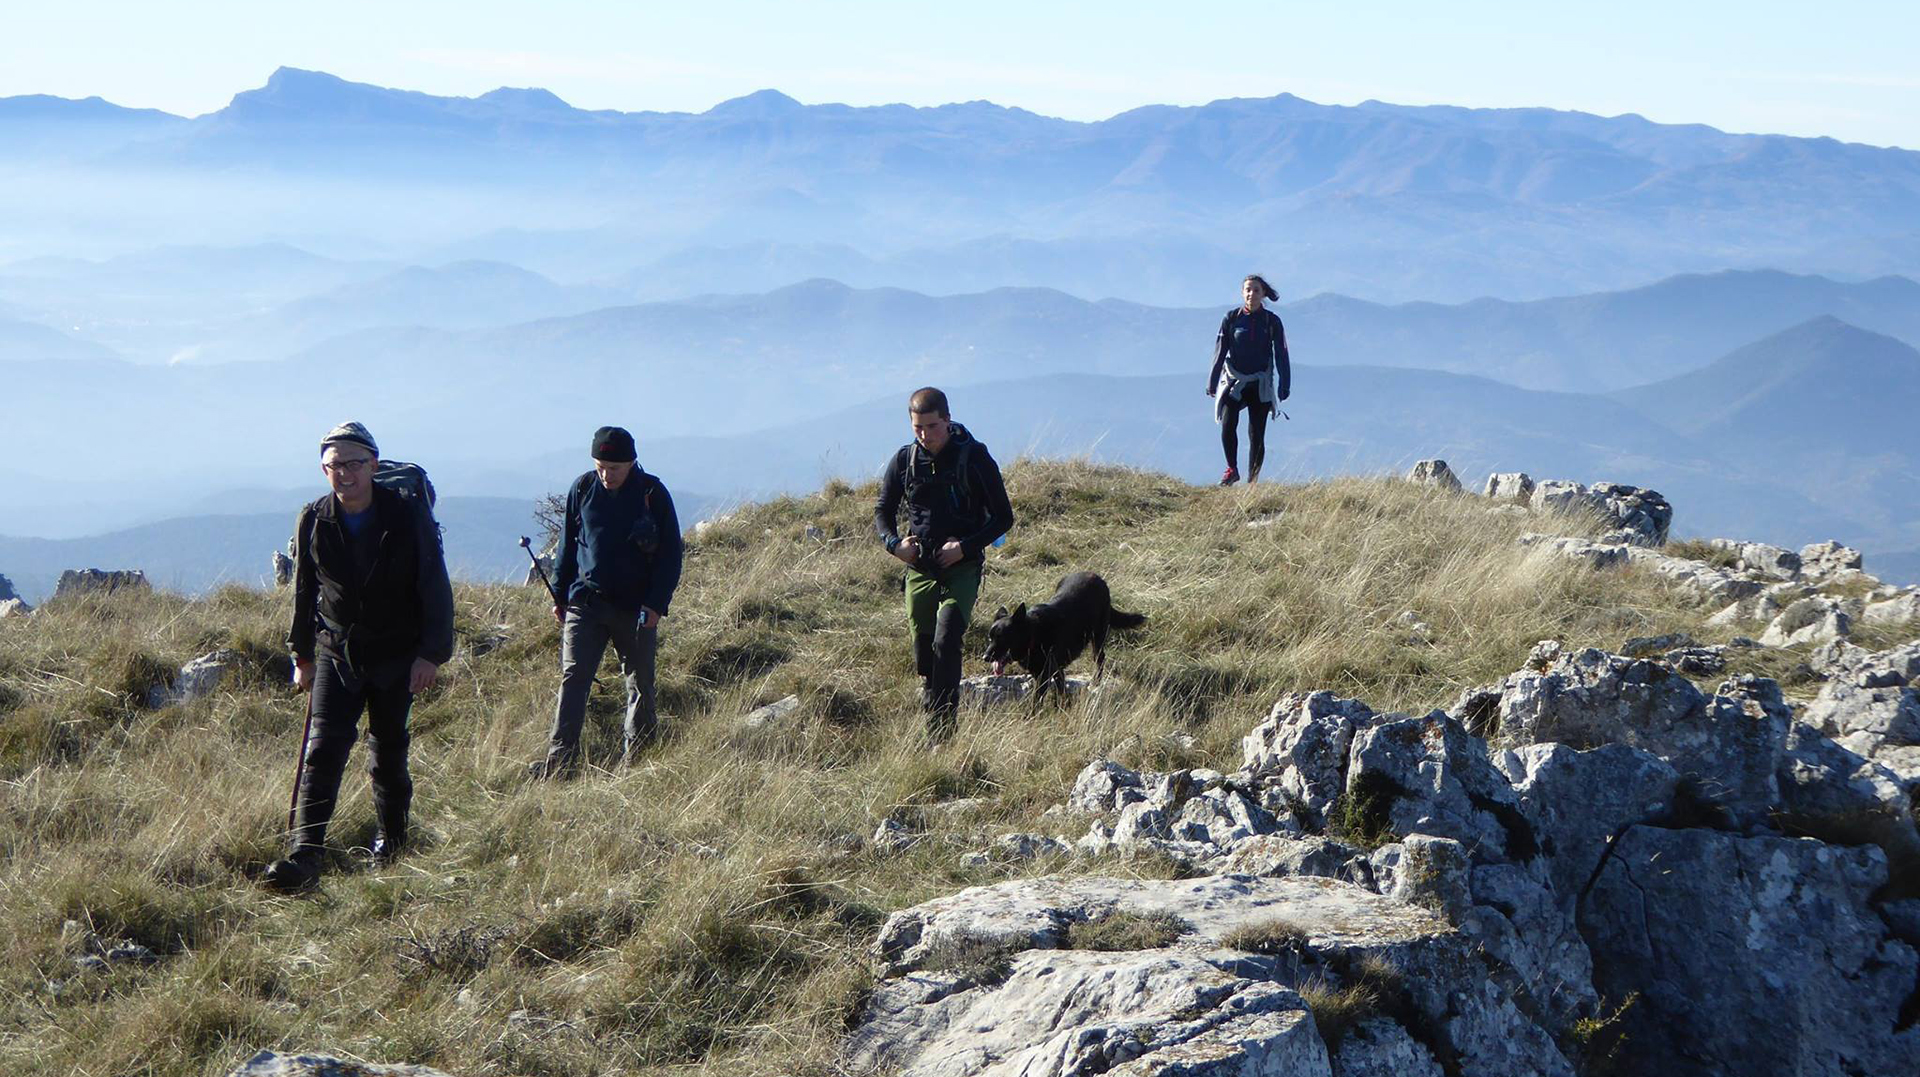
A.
pixel 348 467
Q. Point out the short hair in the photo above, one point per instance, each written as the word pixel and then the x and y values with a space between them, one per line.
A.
pixel 1265 288
pixel 929 401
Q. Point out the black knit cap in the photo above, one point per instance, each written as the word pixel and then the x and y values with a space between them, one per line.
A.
pixel 613 445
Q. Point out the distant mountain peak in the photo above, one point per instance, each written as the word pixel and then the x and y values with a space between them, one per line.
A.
pixel 757 103
pixel 529 99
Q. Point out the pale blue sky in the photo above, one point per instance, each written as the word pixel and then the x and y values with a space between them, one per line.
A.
pixel 1845 69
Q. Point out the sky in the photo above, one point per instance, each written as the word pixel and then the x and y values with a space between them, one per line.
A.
pixel 1843 69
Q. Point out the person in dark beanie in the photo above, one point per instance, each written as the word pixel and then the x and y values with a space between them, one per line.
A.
pixel 619 562
pixel 372 624
pixel 956 507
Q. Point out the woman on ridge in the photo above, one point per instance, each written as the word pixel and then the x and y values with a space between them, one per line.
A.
pixel 1251 373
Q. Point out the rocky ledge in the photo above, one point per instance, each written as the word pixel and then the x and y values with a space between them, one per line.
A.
pixel 1591 861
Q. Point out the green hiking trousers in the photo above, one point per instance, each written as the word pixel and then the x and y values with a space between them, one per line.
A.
pixel 927 595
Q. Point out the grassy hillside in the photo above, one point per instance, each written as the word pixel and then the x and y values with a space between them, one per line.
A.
pixel 709 908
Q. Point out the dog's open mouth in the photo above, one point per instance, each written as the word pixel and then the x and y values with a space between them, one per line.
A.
pixel 999 669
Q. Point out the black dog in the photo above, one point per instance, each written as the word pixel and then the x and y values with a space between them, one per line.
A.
pixel 1050 635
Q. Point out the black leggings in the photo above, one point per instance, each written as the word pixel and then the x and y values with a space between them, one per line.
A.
pixel 1257 412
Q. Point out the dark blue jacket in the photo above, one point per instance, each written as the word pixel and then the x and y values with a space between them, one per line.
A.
pixel 620 545
pixel 1253 343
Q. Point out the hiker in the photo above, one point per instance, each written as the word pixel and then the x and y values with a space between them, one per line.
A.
pixel 619 562
pixel 956 507
pixel 1250 373
pixel 372 624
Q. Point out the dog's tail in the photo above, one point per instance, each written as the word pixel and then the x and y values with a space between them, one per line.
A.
pixel 1123 619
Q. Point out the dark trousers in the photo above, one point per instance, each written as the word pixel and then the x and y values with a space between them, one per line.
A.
pixel 339 695
pixel 1257 413
pixel 589 627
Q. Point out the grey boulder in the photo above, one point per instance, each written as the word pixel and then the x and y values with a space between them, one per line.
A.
pixel 1434 473
pixel 274 1064
pixel 1509 487
pixel 1813 620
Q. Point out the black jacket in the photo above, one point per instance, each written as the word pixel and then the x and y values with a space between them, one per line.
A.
pixel 1269 338
pixel 401 608
pixel 941 503
pixel 621 545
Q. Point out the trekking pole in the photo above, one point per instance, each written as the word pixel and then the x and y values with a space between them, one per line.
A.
pixel 300 767
pixel 527 545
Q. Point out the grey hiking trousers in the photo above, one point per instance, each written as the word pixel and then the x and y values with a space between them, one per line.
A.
pixel 584 636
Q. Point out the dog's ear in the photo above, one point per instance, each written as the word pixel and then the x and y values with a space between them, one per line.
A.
pixel 1020 612
pixel 1000 614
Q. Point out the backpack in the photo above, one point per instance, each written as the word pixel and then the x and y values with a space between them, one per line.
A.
pixel 408 480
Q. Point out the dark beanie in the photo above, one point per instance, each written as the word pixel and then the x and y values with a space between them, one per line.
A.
pixel 613 445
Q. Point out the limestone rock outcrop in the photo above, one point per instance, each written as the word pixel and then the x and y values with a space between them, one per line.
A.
pixel 983 982
pixel 1591 828
pixel 76 582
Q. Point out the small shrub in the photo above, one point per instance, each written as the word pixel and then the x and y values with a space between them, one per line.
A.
pixel 1594 1041
pixel 1363 814
pixel 1271 937
pixel 458 954
pixel 1122 930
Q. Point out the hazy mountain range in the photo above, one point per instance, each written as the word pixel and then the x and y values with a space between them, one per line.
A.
pixel 185 303
pixel 1376 200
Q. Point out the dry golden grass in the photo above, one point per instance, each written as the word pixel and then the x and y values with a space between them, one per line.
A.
pixel 710 908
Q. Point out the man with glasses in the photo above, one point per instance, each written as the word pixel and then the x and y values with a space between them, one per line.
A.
pixel 372 623
pixel 619 562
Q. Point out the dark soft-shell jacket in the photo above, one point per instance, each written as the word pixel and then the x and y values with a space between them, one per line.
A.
pixel 941 503
pixel 1253 343
pixel 622 546
pixel 402 607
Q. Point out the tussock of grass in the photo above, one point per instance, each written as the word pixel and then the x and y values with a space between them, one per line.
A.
pixel 1274 936
pixel 1702 550
pixel 1124 930
pixel 710 908
pixel 1371 988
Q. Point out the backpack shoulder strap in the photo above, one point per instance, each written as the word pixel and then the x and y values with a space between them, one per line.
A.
pixel 909 475
pixel 963 468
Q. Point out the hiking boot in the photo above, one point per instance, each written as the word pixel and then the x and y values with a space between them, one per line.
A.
pixel 1230 476
pixel 294 873
pixel 385 849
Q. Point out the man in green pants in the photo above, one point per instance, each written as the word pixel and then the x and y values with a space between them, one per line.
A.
pixel 956 507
